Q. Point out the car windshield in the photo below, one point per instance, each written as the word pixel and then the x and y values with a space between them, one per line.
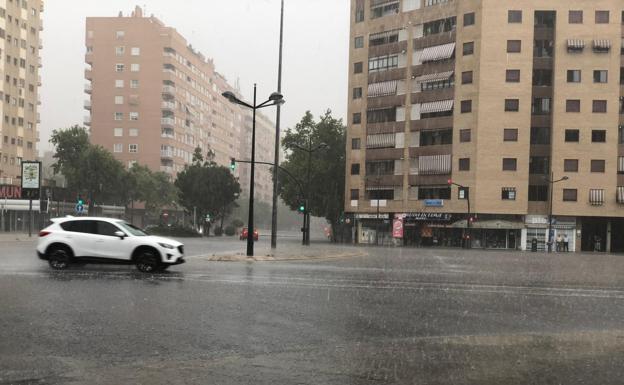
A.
pixel 132 229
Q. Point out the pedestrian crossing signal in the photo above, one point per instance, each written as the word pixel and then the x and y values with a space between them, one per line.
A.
pixel 232 164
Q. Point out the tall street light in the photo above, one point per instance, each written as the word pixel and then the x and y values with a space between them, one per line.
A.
pixel 552 182
pixel 277 137
pixel 466 195
pixel 275 99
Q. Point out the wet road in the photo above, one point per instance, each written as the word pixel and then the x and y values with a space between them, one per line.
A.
pixel 396 316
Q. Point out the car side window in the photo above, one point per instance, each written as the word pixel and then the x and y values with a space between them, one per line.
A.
pixel 80 226
pixel 105 228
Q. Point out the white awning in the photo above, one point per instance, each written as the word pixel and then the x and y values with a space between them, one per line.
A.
pixel 383 35
pixel 596 197
pixel 382 88
pixel 620 169
pixel 438 52
pixel 377 188
pixel 620 194
pixel 602 44
pixel 380 140
pixel 434 165
pixel 439 106
pixel 435 77
pixel 576 43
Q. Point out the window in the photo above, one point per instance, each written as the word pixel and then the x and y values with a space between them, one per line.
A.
pixel 134 83
pixel 514 16
pixel 570 165
pixel 382 115
pixel 381 38
pixel 574 76
pixel 510 135
pixel 120 34
pixel 134 116
pixel 599 106
pixel 464 135
pixel 467 77
pixel 119 83
pixel 620 134
pixel 512 76
pixel 135 51
pixel 464 164
pixel 571 135
pixel 540 135
pixel 545 19
pixel 439 26
pixel 356 143
pixel 543 48
pixel 385 9
pixel 429 192
pixel 539 165
pixel 569 195
pixel 357 68
pixel 600 76
pixel 383 63
pixel 359 42
pixel 599 136
pixel 133 148
pixel 538 193
pixel 575 17
pixel 117 147
pixel 119 51
pixel 119 99
pixel 469 19
pixel 355 169
pixel 510 164
pixel 357 93
pixel 357 118
pixel 514 46
pixel 359 11
pixel 436 137
pixel 540 106
pixel 597 165
pixel 468 48
pixel 119 67
pixel 380 167
pixel 508 193
pixel 355 194
pixel 466 106
pixel 133 132
pixel 134 67
pixel 106 228
pixel 542 77
pixel 602 17
pixel 512 105
pixel 118 115
pixel 573 105
pixel 118 131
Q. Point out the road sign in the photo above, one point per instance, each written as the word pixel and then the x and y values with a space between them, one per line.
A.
pixel 79 208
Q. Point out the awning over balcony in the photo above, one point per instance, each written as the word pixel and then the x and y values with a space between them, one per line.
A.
pixel 377 188
pixel 596 197
pixel 434 165
pixel 382 88
pixel 620 194
pixel 383 35
pixel 576 44
pixel 439 106
pixel 620 165
pixel 602 44
pixel 435 77
pixel 438 52
pixel 380 141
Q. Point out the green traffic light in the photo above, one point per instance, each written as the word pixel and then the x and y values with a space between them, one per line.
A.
pixel 302 208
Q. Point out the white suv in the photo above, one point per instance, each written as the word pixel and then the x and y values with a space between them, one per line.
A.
pixel 105 240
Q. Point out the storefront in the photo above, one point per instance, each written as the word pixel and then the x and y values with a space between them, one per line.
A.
pixel 493 232
pixel 371 229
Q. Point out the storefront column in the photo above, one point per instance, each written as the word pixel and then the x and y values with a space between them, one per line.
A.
pixel 608 240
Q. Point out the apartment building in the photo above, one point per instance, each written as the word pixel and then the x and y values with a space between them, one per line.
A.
pixel 511 101
pixel 20 28
pixel 153 98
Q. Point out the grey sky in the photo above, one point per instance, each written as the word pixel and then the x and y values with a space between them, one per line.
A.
pixel 241 35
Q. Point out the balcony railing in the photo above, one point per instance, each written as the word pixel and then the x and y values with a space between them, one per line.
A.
pixel 167 121
pixel 87 104
pixel 167 169
pixel 168 105
pixel 169 89
pixel 88 88
pixel 87 120
pixel 166 153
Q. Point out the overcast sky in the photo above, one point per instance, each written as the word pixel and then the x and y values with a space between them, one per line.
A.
pixel 242 36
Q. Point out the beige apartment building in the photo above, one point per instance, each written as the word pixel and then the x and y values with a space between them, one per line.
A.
pixel 154 98
pixel 495 96
pixel 20 28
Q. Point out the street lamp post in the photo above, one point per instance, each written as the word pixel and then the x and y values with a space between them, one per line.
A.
pixel 552 182
pixel 467 238
pixel 277 137
pixel 276 98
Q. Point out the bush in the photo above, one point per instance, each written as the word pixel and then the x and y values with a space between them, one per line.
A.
pixel 172 231
pixel 218 231
pixel 230 230
pixel 237 223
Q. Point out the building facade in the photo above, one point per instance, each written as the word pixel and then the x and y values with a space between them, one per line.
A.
pixel 474 113
pixel 153 97
pixel 20 42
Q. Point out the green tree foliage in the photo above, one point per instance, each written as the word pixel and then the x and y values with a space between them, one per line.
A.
pixel 325 190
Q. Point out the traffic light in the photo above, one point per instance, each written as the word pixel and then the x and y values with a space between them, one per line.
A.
pixel 302 207
pixel 232 164
pixel 450 181
pixel 80 200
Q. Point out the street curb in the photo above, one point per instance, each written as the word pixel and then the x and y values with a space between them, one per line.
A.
pixel 272 258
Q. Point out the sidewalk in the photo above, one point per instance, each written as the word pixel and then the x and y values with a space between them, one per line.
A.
pixel 290 253
pixel 18 237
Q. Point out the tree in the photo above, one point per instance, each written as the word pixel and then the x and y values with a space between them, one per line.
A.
pixel 154 189
pixel 69 145
pixel 325 192
pixel 98 174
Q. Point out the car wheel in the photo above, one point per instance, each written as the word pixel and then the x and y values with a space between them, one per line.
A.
pixel 59 259
pixel 147 262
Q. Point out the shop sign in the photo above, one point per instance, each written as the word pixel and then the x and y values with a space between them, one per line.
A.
pixel 434 202
pixel 397 228
pixel 372 216
pixel 433 217
pixel 10 192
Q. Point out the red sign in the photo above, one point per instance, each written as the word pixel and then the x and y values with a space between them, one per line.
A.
pixel 397 228
pixel 10 192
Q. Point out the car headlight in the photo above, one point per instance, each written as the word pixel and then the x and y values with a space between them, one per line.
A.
pixel 166 246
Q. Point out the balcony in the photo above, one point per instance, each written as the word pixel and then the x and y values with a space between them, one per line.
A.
pixel 166 153
pixel 166 89
pixel 88 74
pixel 39 63
pixel 168 105
pixel 167 121
pixel 87 120
pixel 167 169
pixel 167 133
pixel 87 105
pixel 39 80
pixel 88 88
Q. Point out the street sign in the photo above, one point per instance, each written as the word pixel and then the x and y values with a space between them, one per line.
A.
pixel 79 208
pixel 31 179
pixel 434 202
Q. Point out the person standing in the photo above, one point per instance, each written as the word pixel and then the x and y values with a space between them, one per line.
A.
pixel 559 242
pixel 565 243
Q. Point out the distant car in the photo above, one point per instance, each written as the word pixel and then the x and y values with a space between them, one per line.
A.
pixel 245 233
pixel 106 240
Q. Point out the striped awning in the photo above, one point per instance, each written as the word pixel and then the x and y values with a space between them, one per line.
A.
pixel 620 165
pixel 383 35
pixel 438 52
pixel 435 77
pixel 377 188
pixel 576 43
pixel 380 140
pixel 602 44
pixel 439 106
pixel 620 194
pixel 434 165
pixel 596 197
pixel 382 88
pixel 376 3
